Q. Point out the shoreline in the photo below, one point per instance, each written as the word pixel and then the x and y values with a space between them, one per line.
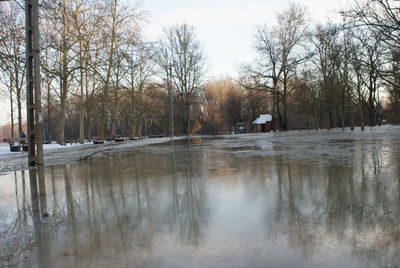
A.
pixel 55 154
pixel 310 145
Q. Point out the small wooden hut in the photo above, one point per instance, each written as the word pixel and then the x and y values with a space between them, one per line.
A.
pixel 263 123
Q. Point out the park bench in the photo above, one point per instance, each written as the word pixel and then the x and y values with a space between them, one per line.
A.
pixel 118 138
pixel 71 142
pixel 96 140
pixel 16 144
pixel 156 136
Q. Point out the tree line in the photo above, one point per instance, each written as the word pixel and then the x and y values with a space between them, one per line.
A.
pixel 101 78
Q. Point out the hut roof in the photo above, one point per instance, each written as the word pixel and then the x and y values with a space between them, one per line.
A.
pixel 262 119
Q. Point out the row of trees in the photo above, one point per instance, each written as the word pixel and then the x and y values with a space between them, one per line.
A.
pixel 99 78
pixel 330 75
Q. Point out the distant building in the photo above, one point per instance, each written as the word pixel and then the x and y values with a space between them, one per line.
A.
pixel 263 123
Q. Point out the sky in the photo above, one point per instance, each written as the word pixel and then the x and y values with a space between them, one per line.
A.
pixel 225 28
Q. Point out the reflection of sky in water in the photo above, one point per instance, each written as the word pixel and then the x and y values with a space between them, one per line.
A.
pixel 206 206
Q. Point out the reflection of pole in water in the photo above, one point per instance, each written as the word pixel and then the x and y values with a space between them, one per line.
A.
pixel 42 192
pixel 38 194
pixel 16 191
pixel 68 194
pixel 34 198
pixel 15 183
pixel 39 210
pixel 23 191
pixel 174 184
pixel 35 207
pixel 72 232
pixel 53 191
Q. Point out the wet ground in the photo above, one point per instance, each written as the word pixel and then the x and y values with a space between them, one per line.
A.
pixel 234 202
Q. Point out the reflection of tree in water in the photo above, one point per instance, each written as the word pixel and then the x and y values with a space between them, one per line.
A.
pixel 17 230
pixel 112 206
pixel 26 228
pixel 130 204
pixel 289 212
pixel 339 205
pixel 187 210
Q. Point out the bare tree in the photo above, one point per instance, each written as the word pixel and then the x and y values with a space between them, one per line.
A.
pixel 12 57
pixel 86 25
pixel 369 60
pixel 139 58
pixel 180 55
pixel 60 38
pixel 279 49
pixel 119 24
pixel 380 16
pixel 325 40
pixel 382 19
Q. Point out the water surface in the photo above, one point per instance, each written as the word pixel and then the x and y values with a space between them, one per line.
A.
pixel 206 204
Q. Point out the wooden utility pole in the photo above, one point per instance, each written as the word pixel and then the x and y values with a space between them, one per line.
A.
pixel 33 100
pixel 33 92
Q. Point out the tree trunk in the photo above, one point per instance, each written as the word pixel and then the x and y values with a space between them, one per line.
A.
pixel 351 117
pixel 61 127
pixel 49 111
pixel 107 80
pixel 284 125
pixel 371 106
pixel 102 120
pixel 19 107
pixel 278 111
pixel 116 102
pixel 341 116
pixel 63 106
pixel 11 110
pixel 133 113
pixel 188 118
pixel 274 104
pixel 19 97
pixel 140 127
pixel 81 103
pixel 89 101
pixel 114 116
pixel 371 113
pixel 362 117
pixel 284 105
pixel 330 120
pixel 64 78
pixel 140 112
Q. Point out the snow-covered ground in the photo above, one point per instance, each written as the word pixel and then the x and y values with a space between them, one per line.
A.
pixel 5 148
pixel 329 145
pixel 56 154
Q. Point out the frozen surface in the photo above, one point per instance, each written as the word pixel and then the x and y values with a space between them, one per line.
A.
pixel 291 199
pixel 323 146
pixel 56 154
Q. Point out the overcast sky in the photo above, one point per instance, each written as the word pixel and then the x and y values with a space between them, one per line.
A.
pixel 225 28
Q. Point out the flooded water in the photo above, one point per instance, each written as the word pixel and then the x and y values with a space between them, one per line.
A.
pixel 206 205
